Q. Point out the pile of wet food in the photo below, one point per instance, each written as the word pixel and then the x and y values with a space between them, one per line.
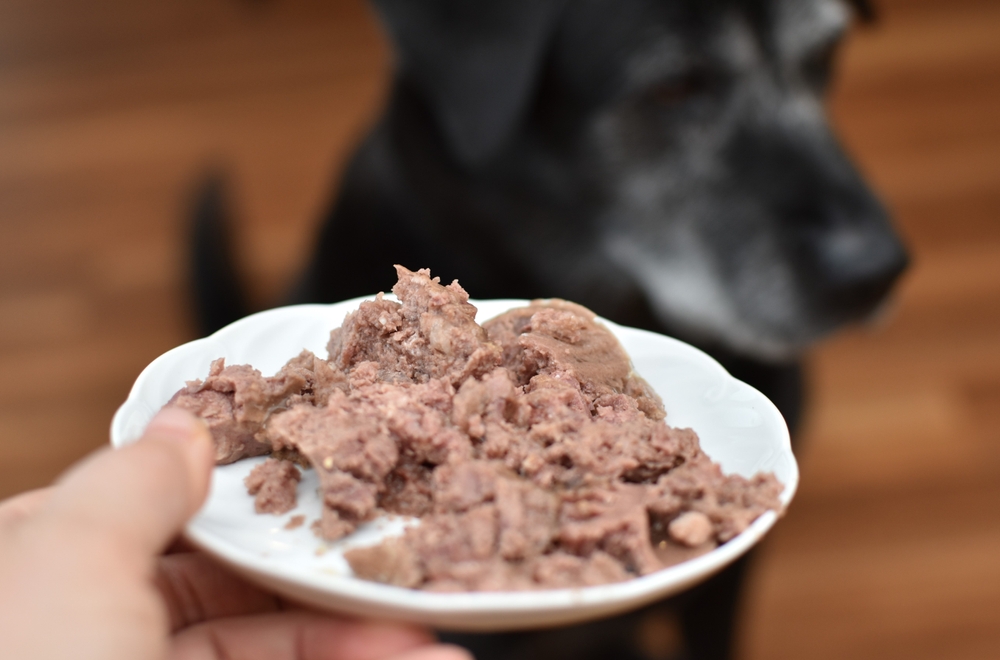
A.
pixel 533 454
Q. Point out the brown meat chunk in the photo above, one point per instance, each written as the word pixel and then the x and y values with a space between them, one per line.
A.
pixel 527 519
pixel 443 541
pixel 691 529
pixel 560 570
pixel 492 574
pixel 374 446
pixel 614 520
pixel 730 502
pixel 390 562
pixel 320 378
pixel 295 522
pixel 352 452
pixel 460 486
pixel 274 483
pixel 563 339
pixel 409 490
pixel 430 333
pixel 235 402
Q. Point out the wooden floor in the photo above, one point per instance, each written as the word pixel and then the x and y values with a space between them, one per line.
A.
pixel 110 110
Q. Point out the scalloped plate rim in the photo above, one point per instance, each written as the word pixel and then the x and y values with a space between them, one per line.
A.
pixel 466 610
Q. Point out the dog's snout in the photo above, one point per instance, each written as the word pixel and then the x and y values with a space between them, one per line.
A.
pixel 846 255
pixel 857 267
pixel 853 262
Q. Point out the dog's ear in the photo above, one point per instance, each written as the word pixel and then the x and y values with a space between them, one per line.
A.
pixel 474 61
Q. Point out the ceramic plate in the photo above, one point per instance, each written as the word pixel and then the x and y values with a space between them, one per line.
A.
pixel 737 425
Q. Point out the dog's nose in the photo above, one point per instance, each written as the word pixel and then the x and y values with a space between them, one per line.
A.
pixel 857 266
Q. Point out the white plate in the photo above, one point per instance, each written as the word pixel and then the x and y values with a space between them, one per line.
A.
pixel 737 425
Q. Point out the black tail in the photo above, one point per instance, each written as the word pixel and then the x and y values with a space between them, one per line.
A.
pixel 214 283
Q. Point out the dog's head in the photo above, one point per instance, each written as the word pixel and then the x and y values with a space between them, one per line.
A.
pixel 677 146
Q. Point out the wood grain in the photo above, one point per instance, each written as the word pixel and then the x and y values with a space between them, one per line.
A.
pixel 111 110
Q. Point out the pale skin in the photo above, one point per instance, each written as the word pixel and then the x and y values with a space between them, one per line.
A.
pixel 83 574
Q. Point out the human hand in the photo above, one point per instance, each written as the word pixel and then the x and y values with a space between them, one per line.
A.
pixel 82 575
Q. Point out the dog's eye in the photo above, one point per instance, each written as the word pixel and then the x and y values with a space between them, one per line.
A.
pixel 817 68
pixel 673 92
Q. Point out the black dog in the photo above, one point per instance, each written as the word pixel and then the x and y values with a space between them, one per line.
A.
pixel 666 163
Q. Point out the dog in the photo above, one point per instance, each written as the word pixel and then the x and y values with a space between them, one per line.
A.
pixel 666 163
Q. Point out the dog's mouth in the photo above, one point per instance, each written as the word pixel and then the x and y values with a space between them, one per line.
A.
pixel 769 308
pixel 689 298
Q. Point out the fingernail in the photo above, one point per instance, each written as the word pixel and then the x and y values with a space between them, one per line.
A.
pixel 175 424
pixel 191 436
pixel 190 432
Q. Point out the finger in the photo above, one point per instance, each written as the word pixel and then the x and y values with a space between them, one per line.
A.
pixel 22 506
pixel 295 636
pixel 137 497
pixel 196 589
pixel 434 652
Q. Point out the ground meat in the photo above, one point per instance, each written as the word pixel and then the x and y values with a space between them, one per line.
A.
pixel 295 522
pixel 563 570
pixel 274 483
pixel 730 502
pixel 532 452
pixel 391 562
pixel 236 401
pixel 691 529
pixel 613 519
pixel 431 333
pixel 562 339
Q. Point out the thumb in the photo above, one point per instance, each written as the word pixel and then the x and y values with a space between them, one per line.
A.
pixel 141 495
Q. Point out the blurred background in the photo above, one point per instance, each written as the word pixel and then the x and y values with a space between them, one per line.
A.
pixel 111 110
